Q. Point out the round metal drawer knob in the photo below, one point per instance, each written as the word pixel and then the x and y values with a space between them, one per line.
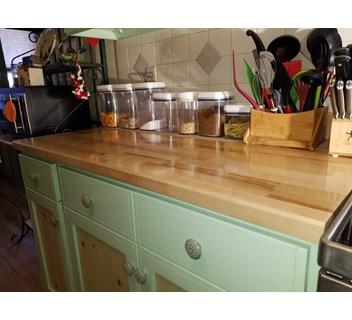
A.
pixel 193 249
pixel 86 201
pixel 128 268
pixel 140 276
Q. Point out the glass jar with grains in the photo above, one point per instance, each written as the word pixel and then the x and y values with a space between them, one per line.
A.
pixel 237 120
pixel 149 118
pixel 187 112
pixel 127 114
pixel 107 105
pixel 211 115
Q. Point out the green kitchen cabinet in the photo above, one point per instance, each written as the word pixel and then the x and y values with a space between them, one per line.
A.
pixel 158 274
pixel 102 260
pixel 51 240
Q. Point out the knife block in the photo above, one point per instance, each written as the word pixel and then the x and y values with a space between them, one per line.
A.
pixel 303 130
pixel 341 138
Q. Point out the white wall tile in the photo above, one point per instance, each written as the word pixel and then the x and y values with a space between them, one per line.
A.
pixel 122 58
pixel 240 69
pixel 180 49
pixel 176 32
pixel 222 73
pixel 133 41
pixel 164 74
pixel 198 75
pixel 269 34
pixel 162 34
pixel 241 42
pixel 238 98
pixel 147 37
pixel 221 40
pixel 223 87
pixel 195 30
pixel 181 74
pixel 121 43
pixel 196 43
pixel 133 53
pixel 148 52
pixel 163 51
pixel 345 33
pixel 112 67
pixel 123 74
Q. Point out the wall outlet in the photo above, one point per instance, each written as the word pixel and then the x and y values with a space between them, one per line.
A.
pixel 150 74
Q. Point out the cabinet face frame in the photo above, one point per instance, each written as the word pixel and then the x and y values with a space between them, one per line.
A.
pixel 76 222
pixel 34 200
pixel 155 265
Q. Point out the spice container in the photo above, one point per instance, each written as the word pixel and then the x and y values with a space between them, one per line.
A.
pixel 148 117
pixel 237 120
pixel 187 112
pixel 211 112
pixel 165 106
pixel 107 106
pixel 127 114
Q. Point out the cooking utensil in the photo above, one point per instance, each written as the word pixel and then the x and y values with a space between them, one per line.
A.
pixel 349 99
pixel 326 88
pixel 257 41
pixel 283 82
pixel 314 79
pixel 9 111
pixel 343 67
pixel 242 92
pixel 302 90
pixel 321 44
pixel 341 98
pixel 284 48
pixel 317 97
pixel 333 99
pixel 276 94
pixel 267 69
pixel 251 77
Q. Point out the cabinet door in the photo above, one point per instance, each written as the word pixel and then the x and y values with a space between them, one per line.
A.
pixel 102 260
pixel 50 232
pixel 158 274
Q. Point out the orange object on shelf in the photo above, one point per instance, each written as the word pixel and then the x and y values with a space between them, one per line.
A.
pixel 9 111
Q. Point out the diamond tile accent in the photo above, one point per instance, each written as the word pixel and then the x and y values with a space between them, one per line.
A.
pixel 140 65
pixel 208 58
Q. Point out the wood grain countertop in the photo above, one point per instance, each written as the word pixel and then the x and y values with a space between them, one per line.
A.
pixel 291 191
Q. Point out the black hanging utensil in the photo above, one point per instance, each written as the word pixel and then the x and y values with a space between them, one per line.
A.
pixel 285 48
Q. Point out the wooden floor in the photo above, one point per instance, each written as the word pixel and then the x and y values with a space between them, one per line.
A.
pixel 19 264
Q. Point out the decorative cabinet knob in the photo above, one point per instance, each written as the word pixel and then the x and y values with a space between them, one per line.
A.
pixel 86 201
pixel 193 249
pixel 33 177
pixel 140 276
pixel 128 268
pixel 54 221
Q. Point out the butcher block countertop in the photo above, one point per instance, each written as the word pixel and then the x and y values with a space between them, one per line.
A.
pixel 291 191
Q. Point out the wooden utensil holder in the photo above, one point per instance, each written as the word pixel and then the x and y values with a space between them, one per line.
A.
pixel 341 138
pixel 303 130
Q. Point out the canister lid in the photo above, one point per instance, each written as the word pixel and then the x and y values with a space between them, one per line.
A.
pixel 148 85
pixel 237 108
pixel 164 96
pixel 122 87
pixel 215 95
pixel 105 87
pixel 190 95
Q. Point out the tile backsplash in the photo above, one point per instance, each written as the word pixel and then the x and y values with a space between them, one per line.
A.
pixel 195 58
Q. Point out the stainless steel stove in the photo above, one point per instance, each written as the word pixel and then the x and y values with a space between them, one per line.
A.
pixel 335 251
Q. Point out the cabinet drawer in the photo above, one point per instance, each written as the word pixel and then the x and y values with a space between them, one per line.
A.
pixel 232 256
pixel 105 203
pixel 40 176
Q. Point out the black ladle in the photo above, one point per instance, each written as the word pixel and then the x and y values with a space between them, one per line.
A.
pixel 285 48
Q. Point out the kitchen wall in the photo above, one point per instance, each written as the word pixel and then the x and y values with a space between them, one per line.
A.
pixel 195 58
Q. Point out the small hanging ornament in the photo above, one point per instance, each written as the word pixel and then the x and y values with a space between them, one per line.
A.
pixel 92 41
pixel 80 89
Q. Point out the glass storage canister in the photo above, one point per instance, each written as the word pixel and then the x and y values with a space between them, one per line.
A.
pixel 237 120
pixel 211 115
pixel 187 112
pixel 107 106
pixel 127 114
pixel 165 105
pixel 149 118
